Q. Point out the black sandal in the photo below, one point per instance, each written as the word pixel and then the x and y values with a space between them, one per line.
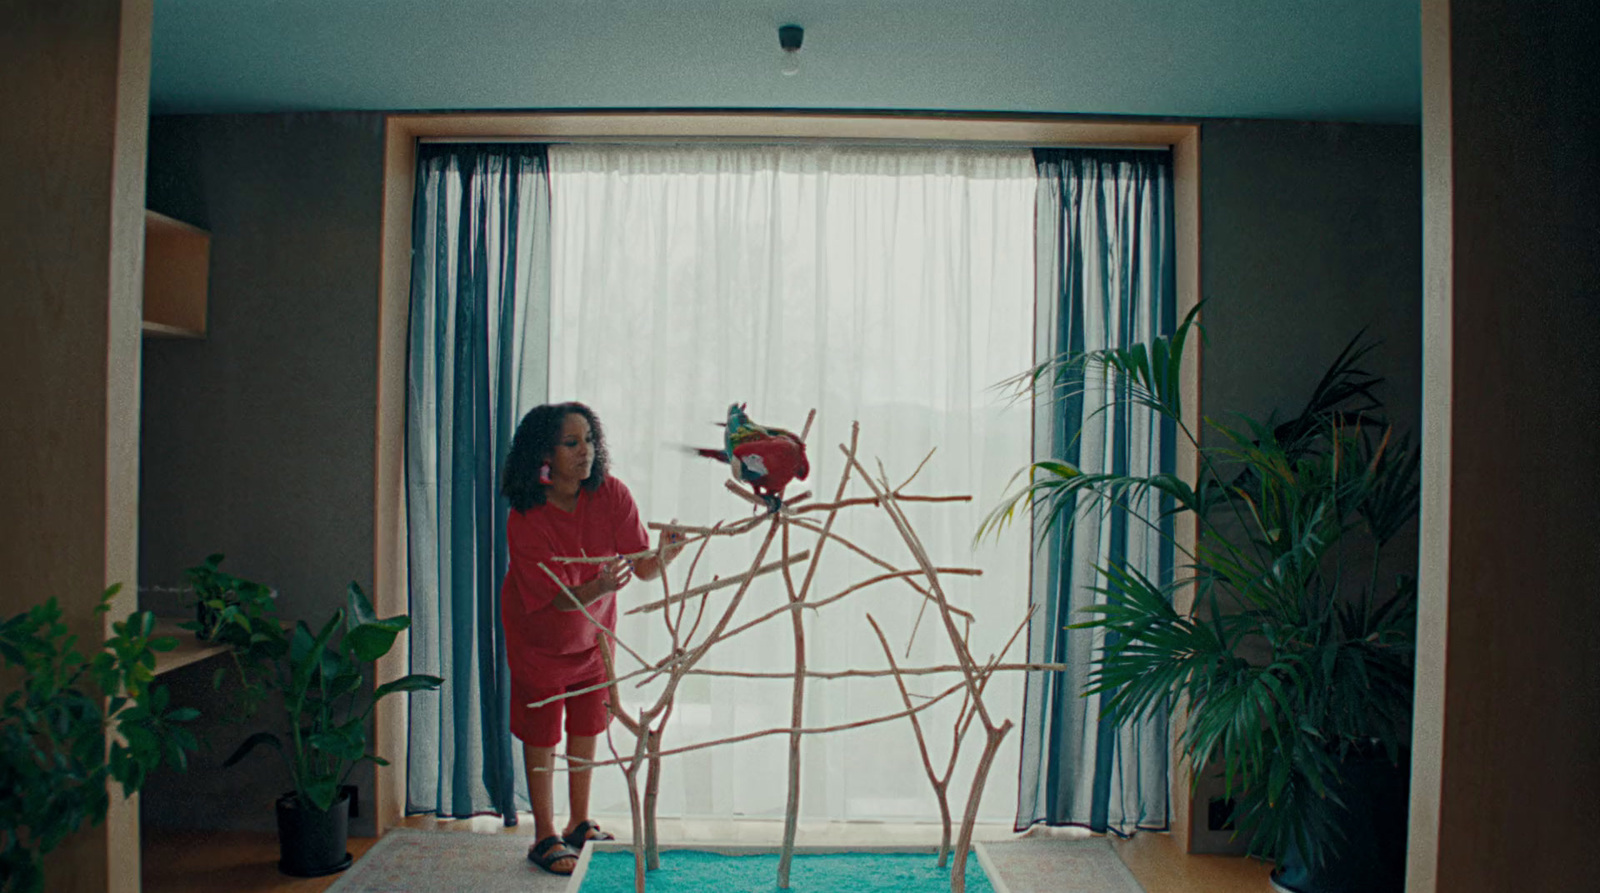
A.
pixel 581 834
pixel 546 853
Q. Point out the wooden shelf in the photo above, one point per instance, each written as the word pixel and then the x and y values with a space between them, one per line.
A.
pixel 189 650
pixel 159 330
pixel 177 269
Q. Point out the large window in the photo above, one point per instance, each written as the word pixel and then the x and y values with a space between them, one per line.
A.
pixel 889 287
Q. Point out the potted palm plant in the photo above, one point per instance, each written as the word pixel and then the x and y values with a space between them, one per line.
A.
pixel 321 678
pixel 1294 662
pixel 56 767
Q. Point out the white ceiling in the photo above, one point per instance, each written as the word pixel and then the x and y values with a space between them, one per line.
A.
pixel 1351 60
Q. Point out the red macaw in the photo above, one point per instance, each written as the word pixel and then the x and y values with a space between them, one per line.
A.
pixel 765 458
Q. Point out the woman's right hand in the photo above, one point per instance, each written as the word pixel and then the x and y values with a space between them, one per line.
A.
pixel 614 575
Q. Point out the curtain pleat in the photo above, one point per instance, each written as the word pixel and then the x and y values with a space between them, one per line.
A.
pixel 477 361
pixel 1104 278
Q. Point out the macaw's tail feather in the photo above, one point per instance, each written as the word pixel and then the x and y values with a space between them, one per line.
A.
pixel 706 453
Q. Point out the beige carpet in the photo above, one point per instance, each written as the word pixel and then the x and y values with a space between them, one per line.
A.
pixel 1058 866
pixel 408 861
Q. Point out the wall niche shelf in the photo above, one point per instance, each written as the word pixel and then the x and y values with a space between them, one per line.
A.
pixel 189 650
pixel 177 261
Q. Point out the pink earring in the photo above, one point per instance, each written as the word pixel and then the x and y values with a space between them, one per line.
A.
pixel 544 473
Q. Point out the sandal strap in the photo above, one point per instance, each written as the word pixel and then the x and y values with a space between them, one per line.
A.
pixel 582 834
pixel 551 849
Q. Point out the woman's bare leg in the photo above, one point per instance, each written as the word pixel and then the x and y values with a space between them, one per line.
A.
pixel 580 750
pixel 541 795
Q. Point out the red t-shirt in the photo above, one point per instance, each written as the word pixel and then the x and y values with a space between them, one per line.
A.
pixel 547 647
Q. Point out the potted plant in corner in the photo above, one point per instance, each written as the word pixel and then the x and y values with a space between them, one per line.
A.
pixel 56 768
pixel 320 676
pixel 1294 663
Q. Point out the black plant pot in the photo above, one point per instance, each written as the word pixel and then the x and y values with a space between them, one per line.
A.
pixel 1372 858
pixel 311 842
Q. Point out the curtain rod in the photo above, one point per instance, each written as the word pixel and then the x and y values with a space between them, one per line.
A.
pixel 784 141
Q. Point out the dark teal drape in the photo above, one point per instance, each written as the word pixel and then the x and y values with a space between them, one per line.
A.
pixel 1105 278
pixel 478 359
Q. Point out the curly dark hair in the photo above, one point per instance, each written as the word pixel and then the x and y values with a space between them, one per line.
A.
pixel 532 445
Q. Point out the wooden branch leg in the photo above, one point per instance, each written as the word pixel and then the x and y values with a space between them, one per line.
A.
pixel 652 788
pixel 635 807
pixel 944 822
pixel 958 870
pixel 791 812
pixel 631 773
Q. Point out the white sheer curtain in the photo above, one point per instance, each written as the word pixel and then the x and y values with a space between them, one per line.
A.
pixel 892 287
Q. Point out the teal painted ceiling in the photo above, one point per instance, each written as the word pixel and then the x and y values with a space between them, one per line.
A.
pixel 1327 60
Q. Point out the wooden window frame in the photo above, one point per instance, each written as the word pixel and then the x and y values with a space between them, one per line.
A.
pixel 403 133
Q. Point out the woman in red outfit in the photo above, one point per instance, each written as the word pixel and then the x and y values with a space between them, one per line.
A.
pixel 564 504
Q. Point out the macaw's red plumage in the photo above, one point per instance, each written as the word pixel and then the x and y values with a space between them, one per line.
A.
pixel 765 458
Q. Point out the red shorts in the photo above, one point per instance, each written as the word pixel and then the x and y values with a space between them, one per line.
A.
pixel 541 726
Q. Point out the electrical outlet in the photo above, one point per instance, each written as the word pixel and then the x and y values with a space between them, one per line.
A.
pixel 1219 814
pixel 355 799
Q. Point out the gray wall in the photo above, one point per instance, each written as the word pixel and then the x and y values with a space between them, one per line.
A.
pixel 1309 232
pixel 257 441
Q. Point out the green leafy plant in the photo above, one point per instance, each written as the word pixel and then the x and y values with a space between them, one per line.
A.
pixel 55 765
pixel 226 606
pixel 1296 654
pixel 320 676
pixel 241 614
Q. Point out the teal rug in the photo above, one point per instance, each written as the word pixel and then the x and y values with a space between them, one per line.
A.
pixel 697 871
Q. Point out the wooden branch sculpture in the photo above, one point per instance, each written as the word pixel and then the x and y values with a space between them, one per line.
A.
pixel 649 724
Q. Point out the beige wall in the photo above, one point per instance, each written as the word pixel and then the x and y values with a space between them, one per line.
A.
pixel 74 100
pixel 1509 682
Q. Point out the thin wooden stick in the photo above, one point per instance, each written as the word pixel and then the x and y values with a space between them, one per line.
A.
pixel 743 525
pixel 871 500
pixel 794 607
pixel 666 592
pixel 827 524
pixel 826 675
pixel 614 701
pixel 922 746
pixel 806 431
pixel 915 545
pixel 722 583
pixel 918 470
pixel 585 609
pixel 689 578
pixel 693 656
pixel 744 494
pixel 586 559
pixel 817 529
pixel 865 674
pixel 812 730
pixel 663 707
